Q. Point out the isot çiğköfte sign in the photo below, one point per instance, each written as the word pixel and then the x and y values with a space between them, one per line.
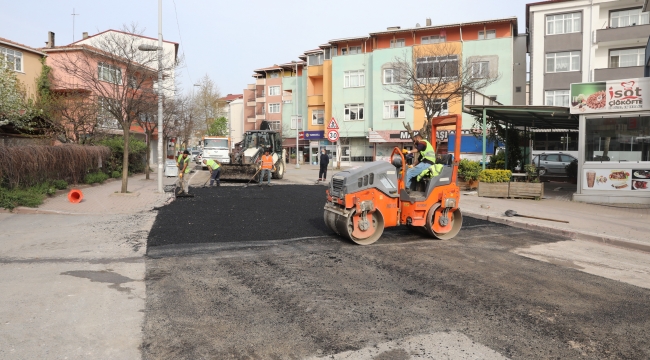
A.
pixel 610 96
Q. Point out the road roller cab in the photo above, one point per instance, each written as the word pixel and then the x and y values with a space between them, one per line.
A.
pixel 361 202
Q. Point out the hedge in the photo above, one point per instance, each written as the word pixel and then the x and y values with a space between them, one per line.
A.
pixel 30 165
pixel 495 176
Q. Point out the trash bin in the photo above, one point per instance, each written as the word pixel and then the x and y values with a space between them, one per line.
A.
pixel 171 170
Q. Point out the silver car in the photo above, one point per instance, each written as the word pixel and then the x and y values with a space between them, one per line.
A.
pixel 552 164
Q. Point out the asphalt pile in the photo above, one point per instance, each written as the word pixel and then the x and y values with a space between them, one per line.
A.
pixel 234 214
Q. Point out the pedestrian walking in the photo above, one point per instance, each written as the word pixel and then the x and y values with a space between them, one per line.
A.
pixel 266 163
pixel 324 161
pixel 183 164
pixel 215 171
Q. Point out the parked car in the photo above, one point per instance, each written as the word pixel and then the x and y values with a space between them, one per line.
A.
pixel 553 164
pixel 199 157
pixel 194 155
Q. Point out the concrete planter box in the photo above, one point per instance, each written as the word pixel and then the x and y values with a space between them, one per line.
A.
pixel 497 190
pixel 526 190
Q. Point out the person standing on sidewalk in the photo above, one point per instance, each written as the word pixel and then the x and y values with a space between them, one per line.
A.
pixel 215 170
pixel 324 161
pixel 267 166
pixel 183 164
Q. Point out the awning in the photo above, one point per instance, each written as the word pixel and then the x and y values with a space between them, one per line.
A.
pixel 291 142
pixel 389 136
pixel 532 117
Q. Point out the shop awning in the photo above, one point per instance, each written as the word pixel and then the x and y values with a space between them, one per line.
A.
pixel 389 136
pixel 527 118
pixel 291 142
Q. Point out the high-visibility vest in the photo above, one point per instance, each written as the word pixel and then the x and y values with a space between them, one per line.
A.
pixel 267 162
pixel 181 161
pixel 433 171
pixel 212 164
pixel 428 152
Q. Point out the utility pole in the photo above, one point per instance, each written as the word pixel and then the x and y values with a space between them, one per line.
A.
pixel 160 101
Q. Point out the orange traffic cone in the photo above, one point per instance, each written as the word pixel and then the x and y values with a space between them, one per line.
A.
pixel 75 196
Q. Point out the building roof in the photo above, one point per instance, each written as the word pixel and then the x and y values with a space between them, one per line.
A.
pixel 232 97
pixel 124 32
pixel 313 51
pixel 100 52
pixel 349 39
pixel 422 28
pixel 270 68
pixel 8 42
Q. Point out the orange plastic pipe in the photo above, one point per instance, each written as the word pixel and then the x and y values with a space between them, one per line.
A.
pixel 75 196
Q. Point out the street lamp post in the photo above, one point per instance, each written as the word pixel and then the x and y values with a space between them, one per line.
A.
pixel 159 49
pixel 296 102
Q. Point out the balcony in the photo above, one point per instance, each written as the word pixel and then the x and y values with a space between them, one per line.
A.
pixel 251 119
pixel 260 82
pixel 619 73
pixel 315 100
pixel 260 116
pixel 250 86
pixel 315 71
pixel 623 34
pixel 250 102
pixel 260 99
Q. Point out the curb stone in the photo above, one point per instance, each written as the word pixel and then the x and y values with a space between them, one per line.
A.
pixel 578 235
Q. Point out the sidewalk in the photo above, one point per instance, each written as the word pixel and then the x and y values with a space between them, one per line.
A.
pixel 624 227
pixel 106 199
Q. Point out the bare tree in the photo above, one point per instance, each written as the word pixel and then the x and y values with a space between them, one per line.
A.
pixel 119 75
pixel 207 104
pixel 75 113
pixel 436 77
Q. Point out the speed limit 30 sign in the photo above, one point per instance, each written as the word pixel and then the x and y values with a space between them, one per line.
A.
pixel 332 135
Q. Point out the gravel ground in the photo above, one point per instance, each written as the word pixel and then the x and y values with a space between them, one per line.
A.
pixel 241 298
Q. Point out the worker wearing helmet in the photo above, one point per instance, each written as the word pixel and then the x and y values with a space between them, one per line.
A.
pixel 183 164
pixel 266 163
pixel 215 170
pixel 427 158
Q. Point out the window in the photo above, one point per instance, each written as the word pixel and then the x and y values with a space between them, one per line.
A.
pixel 318 117
pixel 563 23
pixel 354 78
pixel 617 139
pixel 13 59
pixel 109 73
pixel 481 69
pixel 397 43
pixel 557 98
pixel 437 66
pixel 563 61
pixel 315 59
pixel 353 112
pixel 440 107
pixel 628 18
pixel 351 50
pixel 391 76
pixel 296 120
pixel 274 108
pixel 488 34
pixel 433 39
pixel 328 54
pixel 627 57
pixel 105 112
pixel 394 109
pixel 274 75
pixel 132 82
pixel 275 125
pixel 274 90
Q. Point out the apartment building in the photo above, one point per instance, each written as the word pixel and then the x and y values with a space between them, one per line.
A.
pixel 25 62
pixel 574 41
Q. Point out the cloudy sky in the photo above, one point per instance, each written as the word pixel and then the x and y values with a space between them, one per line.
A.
pixel 228 39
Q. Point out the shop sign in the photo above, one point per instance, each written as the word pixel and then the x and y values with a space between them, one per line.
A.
pixel 610 96
pixel 616 179
pixel 310 135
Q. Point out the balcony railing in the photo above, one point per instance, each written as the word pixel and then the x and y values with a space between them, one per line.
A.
pixel 622 33
pixel 618 73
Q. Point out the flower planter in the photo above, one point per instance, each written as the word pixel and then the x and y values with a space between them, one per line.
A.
pixel 467 185
pixel 526 190
pixel 498 190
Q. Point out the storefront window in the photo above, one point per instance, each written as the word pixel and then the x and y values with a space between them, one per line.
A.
pixel 618 139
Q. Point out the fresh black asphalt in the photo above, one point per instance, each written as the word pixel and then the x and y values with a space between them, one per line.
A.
pixel 237 214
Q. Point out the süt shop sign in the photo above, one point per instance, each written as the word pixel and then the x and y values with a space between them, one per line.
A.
pixel 610 96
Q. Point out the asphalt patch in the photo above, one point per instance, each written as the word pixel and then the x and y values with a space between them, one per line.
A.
pixel 234 214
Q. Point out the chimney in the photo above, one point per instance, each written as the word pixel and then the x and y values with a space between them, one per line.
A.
pixel 84 35
pixel 50 39
pixel 428 21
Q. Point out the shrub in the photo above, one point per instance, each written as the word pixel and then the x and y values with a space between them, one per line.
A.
pixel 531 173
pixel 494 176
pixel 137 154
pixel 31 165
pixel 31 197
pixel 98 177
pixel 469 170
pixel 116 174
pixel 60 184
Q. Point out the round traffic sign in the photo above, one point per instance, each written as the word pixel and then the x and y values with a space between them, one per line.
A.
pixel 332 135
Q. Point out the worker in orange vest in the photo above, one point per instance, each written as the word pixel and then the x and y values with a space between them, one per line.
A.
pixel 267 166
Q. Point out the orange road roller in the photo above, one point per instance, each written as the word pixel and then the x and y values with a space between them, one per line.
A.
pixel 362 201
